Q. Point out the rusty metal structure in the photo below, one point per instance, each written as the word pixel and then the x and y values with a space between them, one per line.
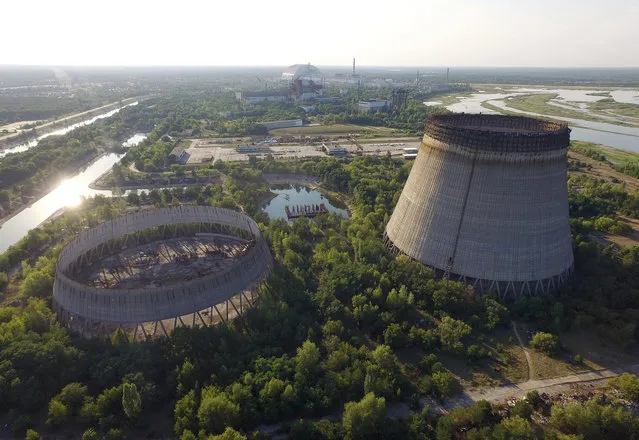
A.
pixel 157 309
pixel 486 203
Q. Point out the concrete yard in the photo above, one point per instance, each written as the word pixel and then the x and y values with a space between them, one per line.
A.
pixel 204 150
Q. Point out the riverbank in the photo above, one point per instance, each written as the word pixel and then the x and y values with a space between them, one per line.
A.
pixel 49 127
pixel 296 179
pixel 44 189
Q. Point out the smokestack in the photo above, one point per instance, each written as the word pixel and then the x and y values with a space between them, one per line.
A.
pixel 353 66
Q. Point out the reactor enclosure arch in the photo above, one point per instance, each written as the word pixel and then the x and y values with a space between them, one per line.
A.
pixel 486 202
pixel 83 307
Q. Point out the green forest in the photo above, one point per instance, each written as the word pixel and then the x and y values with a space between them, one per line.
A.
pixel 346 340
pixel 343 331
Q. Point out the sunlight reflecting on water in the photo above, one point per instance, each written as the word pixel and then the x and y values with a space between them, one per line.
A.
pixel 68 193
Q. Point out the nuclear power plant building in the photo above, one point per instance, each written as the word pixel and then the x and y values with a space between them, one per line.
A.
pixel 486 203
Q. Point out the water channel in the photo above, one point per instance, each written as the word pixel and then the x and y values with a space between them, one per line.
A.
pixel 293 195
pixel 32 143
pixel 67 193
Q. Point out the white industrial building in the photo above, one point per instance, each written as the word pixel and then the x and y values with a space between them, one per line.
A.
pixel 373 105
pixel 257 97
pixel 282 124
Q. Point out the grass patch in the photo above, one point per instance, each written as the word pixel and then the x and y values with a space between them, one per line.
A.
pixel 597 353
pixel 539 104
pixel 611 107
pixel 505 364
pixel 614 155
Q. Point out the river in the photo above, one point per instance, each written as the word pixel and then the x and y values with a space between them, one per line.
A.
pixel 617 136
pixel 67 193
pixel 28 145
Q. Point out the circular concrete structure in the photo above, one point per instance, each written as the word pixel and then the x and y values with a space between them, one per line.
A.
pixel 83 307
pixel 486 203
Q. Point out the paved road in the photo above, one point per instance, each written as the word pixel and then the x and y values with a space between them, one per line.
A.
pixel 549 386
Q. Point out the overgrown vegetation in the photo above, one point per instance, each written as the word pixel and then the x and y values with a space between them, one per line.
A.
pixel 343 328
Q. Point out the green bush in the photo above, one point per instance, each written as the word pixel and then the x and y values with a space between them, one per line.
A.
pixel 4 280
pixel 545 343
pixel 444 383
pixel 627 384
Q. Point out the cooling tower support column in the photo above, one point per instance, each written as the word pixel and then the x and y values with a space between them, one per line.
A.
pixel 487 203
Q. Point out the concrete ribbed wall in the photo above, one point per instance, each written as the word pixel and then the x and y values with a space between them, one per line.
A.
pixel 147 305
pixel 488 202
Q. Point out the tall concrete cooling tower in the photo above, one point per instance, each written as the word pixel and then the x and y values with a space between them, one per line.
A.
pixel 487 203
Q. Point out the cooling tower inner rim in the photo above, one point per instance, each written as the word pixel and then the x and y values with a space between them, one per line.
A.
pixel 502 133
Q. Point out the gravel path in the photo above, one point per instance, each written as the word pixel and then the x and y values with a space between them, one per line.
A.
pixel 549 386
pixel 531 371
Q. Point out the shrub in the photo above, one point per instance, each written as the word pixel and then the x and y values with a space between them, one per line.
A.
pixel 475 353
pixel 627 384
pixel 32 435
pixel 394 336
pixel 545 343
pixel 444 384
pixel 522 409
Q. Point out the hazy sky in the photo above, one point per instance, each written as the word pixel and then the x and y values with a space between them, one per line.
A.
pixel 564 33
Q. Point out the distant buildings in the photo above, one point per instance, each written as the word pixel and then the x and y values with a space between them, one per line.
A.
pixel 304 81
pixel 374 105
pixel 299 83
pixel 282 124
pixel 334 149
pixel 266 96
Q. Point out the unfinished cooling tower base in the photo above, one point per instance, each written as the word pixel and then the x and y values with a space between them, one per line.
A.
pixel 503 289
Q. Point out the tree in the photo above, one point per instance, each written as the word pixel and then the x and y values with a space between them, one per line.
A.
pixel 32 435
pixel 394 336
pixel 523 409
pixel 185 413
pixel 592 419
pixel 627 384
pixel 58 413
pixel 90 434
pixel 445 428
pixel 545 343
pixel 217 411
pixel 307 358
pixel 364 419
pixel 513 428
pixel 444 383
pixel 131 401
pixel 451 333
pixel 228 434
pixel 37 283
pixel 73 396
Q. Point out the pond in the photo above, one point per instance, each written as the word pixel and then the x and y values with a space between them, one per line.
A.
pixel 297 195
